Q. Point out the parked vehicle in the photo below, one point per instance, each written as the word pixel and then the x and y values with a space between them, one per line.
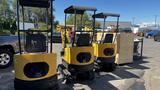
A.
pixel 57 37
pixel 146 31
pixel 8 47
pixel 126 30
pixel 151 34
pixel 157 37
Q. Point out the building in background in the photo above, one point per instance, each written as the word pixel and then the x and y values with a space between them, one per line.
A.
pixel 135 28
pixel 27 26
pixel 112 25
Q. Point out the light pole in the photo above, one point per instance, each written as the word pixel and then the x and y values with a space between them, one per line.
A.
pixel 156 16
pixel 133 20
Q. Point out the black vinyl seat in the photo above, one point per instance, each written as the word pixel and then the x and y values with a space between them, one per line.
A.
pixel 83 40
pixel 108 38
pixel 35 43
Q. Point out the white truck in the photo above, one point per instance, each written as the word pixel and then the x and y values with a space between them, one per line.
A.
pixel 8 47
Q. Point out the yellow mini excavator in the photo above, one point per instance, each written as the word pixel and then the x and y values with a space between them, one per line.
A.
pixel 105 48
pixel 78 59
pixel 35 65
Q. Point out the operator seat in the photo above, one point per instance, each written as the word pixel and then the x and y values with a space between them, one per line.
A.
pixel 83 40
pixel 35 43
pixel 108 38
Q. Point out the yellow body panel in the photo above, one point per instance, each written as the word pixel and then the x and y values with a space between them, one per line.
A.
pixel 99 48
pixel 71 54
pixel 23 59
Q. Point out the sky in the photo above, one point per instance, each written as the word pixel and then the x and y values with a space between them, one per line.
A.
pixel 141 10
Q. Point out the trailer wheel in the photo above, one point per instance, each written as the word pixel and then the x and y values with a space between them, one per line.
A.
pixel 6 58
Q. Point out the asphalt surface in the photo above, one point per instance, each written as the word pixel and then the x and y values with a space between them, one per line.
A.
pixel 140 75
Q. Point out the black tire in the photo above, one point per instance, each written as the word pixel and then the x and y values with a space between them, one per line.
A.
pixel 7 57
pixel 155 38
pixel 56 87
pixel 44 84
pixel 109 67
pixel 113 66
pixel 87 75
pixel 149 36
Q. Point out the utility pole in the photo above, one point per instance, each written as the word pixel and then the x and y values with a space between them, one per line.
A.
pixel 156 20
pixel 133 20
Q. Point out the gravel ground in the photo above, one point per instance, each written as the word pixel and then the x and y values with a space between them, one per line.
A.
pixel 141 75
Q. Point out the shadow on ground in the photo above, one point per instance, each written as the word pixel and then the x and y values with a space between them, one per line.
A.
pixel 122 72
pixel 137 63
pixel 100 83
pixel 6 70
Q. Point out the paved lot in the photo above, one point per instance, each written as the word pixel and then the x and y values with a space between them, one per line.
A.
pixel 141 75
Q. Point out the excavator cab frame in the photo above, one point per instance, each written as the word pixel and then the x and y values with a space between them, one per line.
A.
pixel 78 57
pixel 105 48
pixel 35 64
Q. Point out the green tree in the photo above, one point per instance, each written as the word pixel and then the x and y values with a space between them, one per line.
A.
pixel 13 27
pixel 32 14
pixel 86 21
pixel 6 15
pixel 56 23
pixel 40 14
pixel 14 6
pixel 4 8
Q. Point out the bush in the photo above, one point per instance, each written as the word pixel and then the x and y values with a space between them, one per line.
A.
pixel 13 27
pixel 7 25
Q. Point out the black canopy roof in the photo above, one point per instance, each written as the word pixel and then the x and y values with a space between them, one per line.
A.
pixel 35 3
pixel 104 15
pixel 79 9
